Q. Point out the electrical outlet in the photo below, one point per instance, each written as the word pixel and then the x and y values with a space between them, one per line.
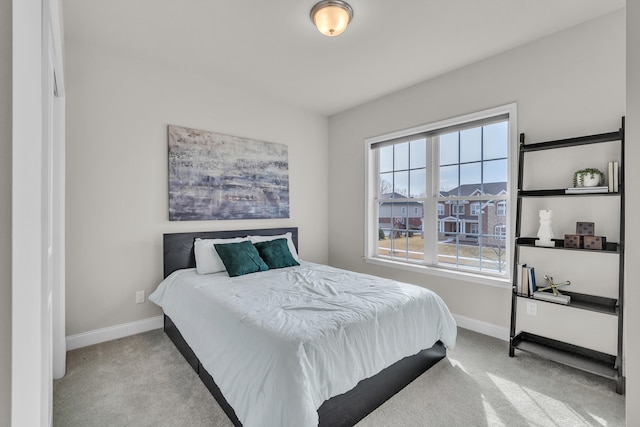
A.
pixel 139 297
pixel 532 308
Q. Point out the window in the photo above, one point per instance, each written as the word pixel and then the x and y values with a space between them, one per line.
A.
pixel 501 209
pixel 457 209
pixel 439 169
pixel 473 228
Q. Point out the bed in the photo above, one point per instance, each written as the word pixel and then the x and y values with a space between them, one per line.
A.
pixel 261 369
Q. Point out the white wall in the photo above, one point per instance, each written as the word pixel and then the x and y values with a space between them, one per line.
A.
pixel 568 84
pixel 632 175
pixel 118 109
pixel 5 211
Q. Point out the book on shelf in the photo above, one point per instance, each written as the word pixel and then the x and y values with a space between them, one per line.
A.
pixel 532 288
pixel 549 296
pixel 610 176
pixel 519 277
pixel 587 190
pixel 525 280
pixel 613 174
pixel 524 290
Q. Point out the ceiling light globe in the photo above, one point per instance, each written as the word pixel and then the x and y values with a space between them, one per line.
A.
pixel 331 17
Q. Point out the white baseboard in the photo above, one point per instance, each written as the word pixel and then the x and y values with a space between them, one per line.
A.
pixel 481 327
pixel 113 332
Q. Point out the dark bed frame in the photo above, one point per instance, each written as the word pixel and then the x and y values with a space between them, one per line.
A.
pixel 339 411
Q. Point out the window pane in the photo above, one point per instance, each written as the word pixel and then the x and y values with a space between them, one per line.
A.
pixel 470 174
pixel 401 156
pixel 407 246
pixel 495 141
pixel 386 184
pixel 495 171
pixel 447 248
pixel 384 217
pixel 471 145
pixel 401 183
pixel 386 159
pixel 418 154
pixel 448 179
pixel 493 254
pixel 449 148
pixel 417 180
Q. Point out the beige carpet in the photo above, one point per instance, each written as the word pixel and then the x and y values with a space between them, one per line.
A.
pixel 143 380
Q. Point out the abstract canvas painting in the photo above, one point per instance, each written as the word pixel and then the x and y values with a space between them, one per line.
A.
pixel 214 176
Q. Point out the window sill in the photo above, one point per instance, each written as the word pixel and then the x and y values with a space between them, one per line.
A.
pixel 466 276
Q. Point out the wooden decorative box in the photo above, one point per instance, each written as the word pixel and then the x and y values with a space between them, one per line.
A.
pixel 585 228
pixel 594 242
pixel 573 241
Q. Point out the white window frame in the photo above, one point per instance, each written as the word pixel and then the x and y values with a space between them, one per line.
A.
pixel 500 235
pixel 440 208
pixel 431 222
pixel 475 209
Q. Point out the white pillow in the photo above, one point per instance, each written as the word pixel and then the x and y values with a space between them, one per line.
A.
pixel 207 258
pixel 292 247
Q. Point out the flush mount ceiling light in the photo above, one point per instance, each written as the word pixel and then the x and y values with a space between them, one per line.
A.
pixel 331 17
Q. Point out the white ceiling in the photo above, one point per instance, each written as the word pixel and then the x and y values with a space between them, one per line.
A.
pixel 272 47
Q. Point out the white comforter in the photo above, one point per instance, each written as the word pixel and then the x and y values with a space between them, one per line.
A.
pixel 279 343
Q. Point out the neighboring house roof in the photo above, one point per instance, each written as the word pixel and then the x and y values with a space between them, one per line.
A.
pixel 397 196
pixel 393 195
pixel 491 188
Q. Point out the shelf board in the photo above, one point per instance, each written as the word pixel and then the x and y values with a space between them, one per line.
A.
pixel 610 247
pixel 585 302
pixel 588 360
pixel 562 192
pixel 574 142
pixel 593 303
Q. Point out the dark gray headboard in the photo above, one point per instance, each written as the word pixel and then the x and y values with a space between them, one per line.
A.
pixel 178 247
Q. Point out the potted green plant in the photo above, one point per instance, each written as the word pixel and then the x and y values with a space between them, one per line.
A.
pixel 589 177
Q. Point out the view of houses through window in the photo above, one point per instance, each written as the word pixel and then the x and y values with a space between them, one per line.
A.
pixel 443 197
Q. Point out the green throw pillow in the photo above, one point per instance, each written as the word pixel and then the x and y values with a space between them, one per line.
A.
pixel 276 253
pixel 240 258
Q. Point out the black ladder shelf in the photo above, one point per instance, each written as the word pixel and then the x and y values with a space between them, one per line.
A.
pixel 595 362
